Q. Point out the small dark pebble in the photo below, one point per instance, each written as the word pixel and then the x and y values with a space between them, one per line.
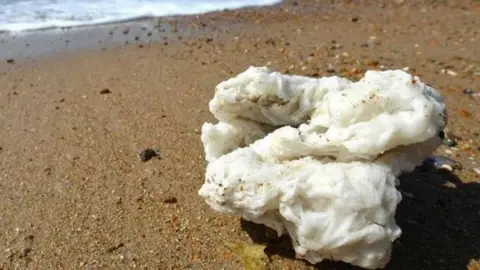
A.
pixel 364 45
pixel 137 38
pixel 468 91
pixel 148 154
pixel 62 100
pixel 140 46
pixel 209 40
pixel 126 30
pixel 478 149
pixel 449 142
pixel 113 248
pixel 270 41
pixel 10 61
pixel 149 34
pixel 354 19
pixel 57 108
pixel 105 91
pixel 170 200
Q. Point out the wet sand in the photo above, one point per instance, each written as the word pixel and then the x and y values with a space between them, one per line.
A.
pixel 75 195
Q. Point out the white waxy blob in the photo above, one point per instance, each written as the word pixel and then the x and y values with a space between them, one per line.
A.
pixel 319 158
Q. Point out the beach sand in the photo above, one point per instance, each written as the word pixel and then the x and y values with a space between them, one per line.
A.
pixel 75 195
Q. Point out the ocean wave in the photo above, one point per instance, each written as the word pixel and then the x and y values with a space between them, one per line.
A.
pixel 21 15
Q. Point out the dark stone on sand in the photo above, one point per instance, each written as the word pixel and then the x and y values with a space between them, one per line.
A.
pixel 137 38
pixel 10 61
pixel 113 248
pixel 148 154
pixel 105 91
pixel 126 30
pixel 468 91
pixel 149 34
pixel 354 19
pixel 170 200
pixel 209 40
pixel 449 142
pixel 270 41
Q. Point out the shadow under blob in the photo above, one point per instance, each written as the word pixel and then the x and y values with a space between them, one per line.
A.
pixel 440 220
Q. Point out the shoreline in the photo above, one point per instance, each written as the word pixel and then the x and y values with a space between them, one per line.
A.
pixel 141 30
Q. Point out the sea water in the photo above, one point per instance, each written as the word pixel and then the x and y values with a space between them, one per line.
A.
pixel 20 15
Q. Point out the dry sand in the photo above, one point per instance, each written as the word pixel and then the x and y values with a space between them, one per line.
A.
pixel 75 195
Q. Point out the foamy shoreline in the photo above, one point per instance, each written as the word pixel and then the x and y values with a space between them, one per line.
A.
pixel 142 30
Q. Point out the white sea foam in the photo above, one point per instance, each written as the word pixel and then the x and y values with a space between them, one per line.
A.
pixel 19 15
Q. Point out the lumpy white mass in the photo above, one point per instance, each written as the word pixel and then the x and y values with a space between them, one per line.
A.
pixel 319 158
